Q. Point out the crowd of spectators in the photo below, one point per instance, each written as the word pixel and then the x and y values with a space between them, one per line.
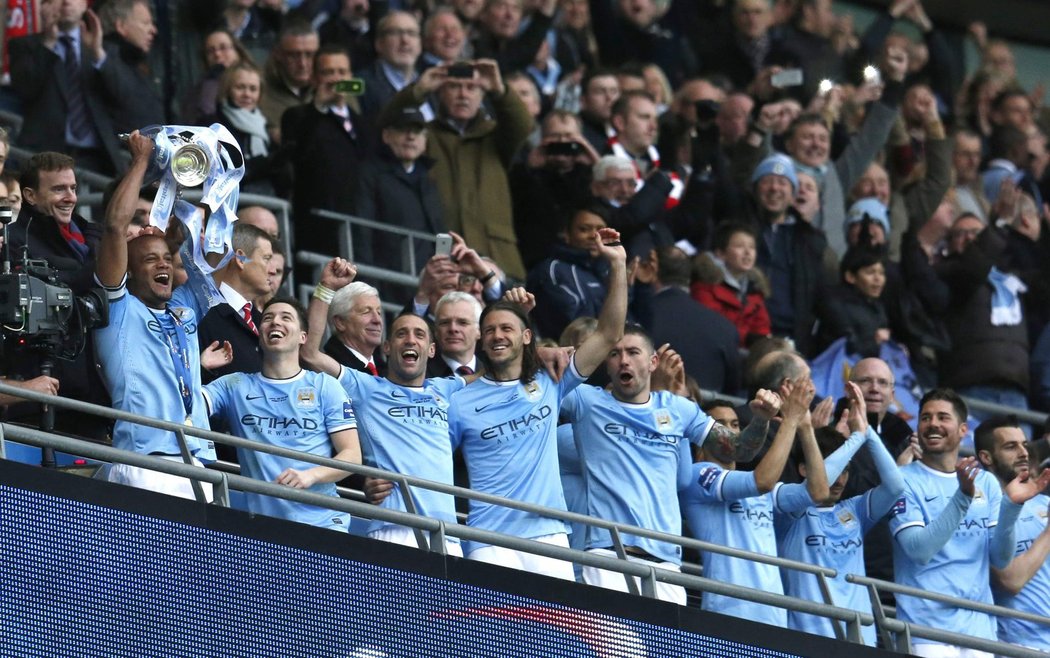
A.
pixel 778 182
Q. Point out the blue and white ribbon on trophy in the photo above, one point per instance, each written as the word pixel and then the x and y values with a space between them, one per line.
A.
pixel 225 168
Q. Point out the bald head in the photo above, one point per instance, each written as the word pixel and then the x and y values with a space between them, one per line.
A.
pixel 875 380
pixel 261 218
pixel 778 368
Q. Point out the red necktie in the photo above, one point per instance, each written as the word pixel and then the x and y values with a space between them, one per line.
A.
pixel 246 312
pixel 371 367
pixel 463 371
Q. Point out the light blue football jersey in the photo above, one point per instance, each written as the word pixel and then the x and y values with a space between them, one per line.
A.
pixel 299 413
pixel 508 434
pixel 635 458
pixel 724 507
pixel 1035 595
pixel 405 429
pixel 135 354
pixel 961 567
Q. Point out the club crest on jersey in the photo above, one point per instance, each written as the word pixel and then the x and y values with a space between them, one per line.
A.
pixel 846 517
pixel 978 497
pixel 533 392
pixel 306 398
pixel 662 418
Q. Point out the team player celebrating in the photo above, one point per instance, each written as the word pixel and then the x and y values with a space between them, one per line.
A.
pixel 951 526
pixel 634 449
pixel 403 418
pixel 831 533
pixel 1025 583
pixel 150 360
pixel 506 422
pixel 735 508
pixel 288 407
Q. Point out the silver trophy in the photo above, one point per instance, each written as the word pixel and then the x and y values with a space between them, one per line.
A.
pixel 178 153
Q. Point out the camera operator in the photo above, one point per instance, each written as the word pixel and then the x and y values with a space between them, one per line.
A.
pixel 48 228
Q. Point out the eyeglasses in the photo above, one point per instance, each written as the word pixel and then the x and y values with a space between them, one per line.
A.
pixel 876 381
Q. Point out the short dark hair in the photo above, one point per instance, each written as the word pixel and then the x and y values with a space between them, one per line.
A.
pixel 404 314
pixel 717 403
pixel 946 395
pixel 828 441
pixel 530 358
pixel 805 119
pixel 859 257
pixel 673 267
pixel 725 231
pixel 46 161
pixel 1004 140
pixel 330 49
pixel 984 435
pixel 593 206
pixel 623 103
pixel 634 329
pixel 1008 93
pixel 300 311
pixel 591 74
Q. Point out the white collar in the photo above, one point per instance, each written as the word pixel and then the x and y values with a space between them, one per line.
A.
pixel 235 299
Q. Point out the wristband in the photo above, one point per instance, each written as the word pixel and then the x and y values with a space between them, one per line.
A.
pixel 324 294
pixel 488 277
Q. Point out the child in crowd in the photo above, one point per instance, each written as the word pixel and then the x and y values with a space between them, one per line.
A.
pixel 727 281
pixel 854 309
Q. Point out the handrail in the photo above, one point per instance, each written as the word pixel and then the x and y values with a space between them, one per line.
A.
pixel 224 480
pixel 439 487
pixel 106 453
pixel 977 606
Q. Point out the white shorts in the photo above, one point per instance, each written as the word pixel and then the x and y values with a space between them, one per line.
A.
pixel 397 534
pixel 537 564
pixel 614 580
pixel 144 478
pixel 946 651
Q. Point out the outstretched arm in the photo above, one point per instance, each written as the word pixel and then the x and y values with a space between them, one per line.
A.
pixel 336 274
pixel 593 351
pixel 112 262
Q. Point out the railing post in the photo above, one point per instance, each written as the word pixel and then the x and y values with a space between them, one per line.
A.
pixel 853 633
pixel 649 583
pixel 410 507
pixel 437 540
pixel 3 444
pixel 187 458
pixel 879 613
pixel 221 492
pixel 618 548
pixel 825 593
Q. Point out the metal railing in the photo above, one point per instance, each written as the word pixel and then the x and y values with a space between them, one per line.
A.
pixel 897 634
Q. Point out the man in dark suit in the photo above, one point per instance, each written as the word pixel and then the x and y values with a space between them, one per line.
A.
pixel 398 46
pixel 245 277
pixel 705 339
pixel 457 335
pixel 394 189
pixel 356 318
pixel 132 97
pixel 323 141
pixel 48 228
pixel 56 74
